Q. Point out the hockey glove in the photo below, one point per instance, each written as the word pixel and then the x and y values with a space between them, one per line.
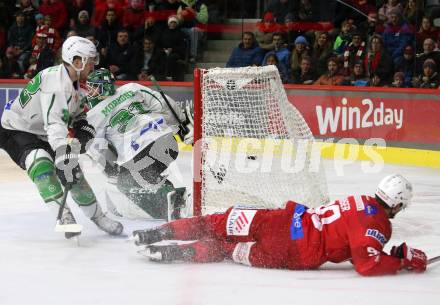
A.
pixel 66 162
pixel 411 259
pixel 84 132
pixel 186 132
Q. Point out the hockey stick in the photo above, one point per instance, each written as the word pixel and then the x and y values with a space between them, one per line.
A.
pixel 71 228
pixel 434 259
pixel 158 88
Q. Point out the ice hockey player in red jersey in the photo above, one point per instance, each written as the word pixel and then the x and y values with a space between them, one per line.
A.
pixel 296 237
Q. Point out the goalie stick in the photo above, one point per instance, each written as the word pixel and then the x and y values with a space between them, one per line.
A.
pixel 59 227
pixel 182 126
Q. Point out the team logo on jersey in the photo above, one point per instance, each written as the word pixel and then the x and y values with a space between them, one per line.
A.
pixel 239 222
pixel 377 236
pixel 370 209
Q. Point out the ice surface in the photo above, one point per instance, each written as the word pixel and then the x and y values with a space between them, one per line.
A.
pixel 38 266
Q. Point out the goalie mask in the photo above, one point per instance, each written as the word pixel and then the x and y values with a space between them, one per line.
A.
pixel 100 84
pixel 394 189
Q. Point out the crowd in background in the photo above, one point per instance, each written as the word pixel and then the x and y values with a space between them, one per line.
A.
pixel 136 39
pixel 368 43
pixel 365 42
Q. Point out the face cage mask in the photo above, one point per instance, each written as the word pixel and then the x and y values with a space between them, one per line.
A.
pixel 95 91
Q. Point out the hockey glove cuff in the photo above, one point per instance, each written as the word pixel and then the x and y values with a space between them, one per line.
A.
pixel 84 132
pixel 411 259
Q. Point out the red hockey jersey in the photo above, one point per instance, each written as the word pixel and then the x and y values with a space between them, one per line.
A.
pixel 355 228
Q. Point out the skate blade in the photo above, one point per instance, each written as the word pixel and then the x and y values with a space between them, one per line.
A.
pixel 71 228
pixel 155 257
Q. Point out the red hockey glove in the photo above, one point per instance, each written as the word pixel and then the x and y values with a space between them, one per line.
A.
pixel 412 259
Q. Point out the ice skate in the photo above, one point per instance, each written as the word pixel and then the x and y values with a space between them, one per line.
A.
pixel 106 224
pixel 169 253
pixel 68 219
pixel 151 236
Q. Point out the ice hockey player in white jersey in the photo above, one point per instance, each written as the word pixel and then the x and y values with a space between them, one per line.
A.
pixel 34 132
pixel 140 127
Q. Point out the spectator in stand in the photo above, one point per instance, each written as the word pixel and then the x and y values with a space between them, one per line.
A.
pixel 355 51
pixel 247 53
pixel 39 21
pixel 429 78
pixel 77 6
pixel 150 29
pixel 372 26
pixel 148 61
pixel 427 30
pixel 305 12
pixel 407 65
pixel 161 10
pixel 9 67
pixel 119 56
pixel 193 15
pixel 102 6
pixel 398 80
pixel 304 75
pixel 83 27
pixel 29 11
pixel 108 31
pixel 429 51
pixel 321 51
pixel 376 81
pixel 280 8
pixel 357 76
pixel 42 56
pixel 384 11
pixel 134 15
pixel 300 50
pixel 172 41
pixel 53 36
pixel 413 12
pixel 332 77
pixel 344 37
pixel 265 30
pixel 282 53
pixel 57 9
pixel 378 62
pixel 271 58
pixel 20 40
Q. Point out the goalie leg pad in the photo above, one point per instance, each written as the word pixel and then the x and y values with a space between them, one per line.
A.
pixel 82 193
pixel 41 170
pixel 154 202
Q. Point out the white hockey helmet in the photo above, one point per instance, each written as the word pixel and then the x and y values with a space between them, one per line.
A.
pixel 78 46
pixel 394 189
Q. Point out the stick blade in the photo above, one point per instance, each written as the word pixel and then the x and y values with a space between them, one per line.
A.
pixel 71 228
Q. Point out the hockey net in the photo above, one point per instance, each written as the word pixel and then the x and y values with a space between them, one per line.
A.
pixel 252 147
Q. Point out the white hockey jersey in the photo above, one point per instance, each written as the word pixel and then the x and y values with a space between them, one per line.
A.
pixel 45 107
pixel 132 118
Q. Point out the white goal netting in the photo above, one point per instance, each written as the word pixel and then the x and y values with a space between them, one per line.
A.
pixel 256 147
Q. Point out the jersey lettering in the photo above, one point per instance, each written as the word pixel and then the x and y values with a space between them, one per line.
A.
pixel 319 221
pixel 31 88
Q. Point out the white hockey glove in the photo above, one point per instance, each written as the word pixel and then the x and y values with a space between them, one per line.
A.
pixel 187 135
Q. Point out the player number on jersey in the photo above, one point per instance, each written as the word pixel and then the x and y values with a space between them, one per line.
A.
pixel 31 88
pixel 331 212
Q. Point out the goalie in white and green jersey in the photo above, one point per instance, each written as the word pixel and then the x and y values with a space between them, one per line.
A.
pixel 140 127
pixel 34 131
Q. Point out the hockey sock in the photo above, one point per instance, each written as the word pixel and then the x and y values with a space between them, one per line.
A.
pixel 41 170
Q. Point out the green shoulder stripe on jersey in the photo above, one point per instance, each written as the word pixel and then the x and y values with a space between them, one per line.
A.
pixel 50 107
